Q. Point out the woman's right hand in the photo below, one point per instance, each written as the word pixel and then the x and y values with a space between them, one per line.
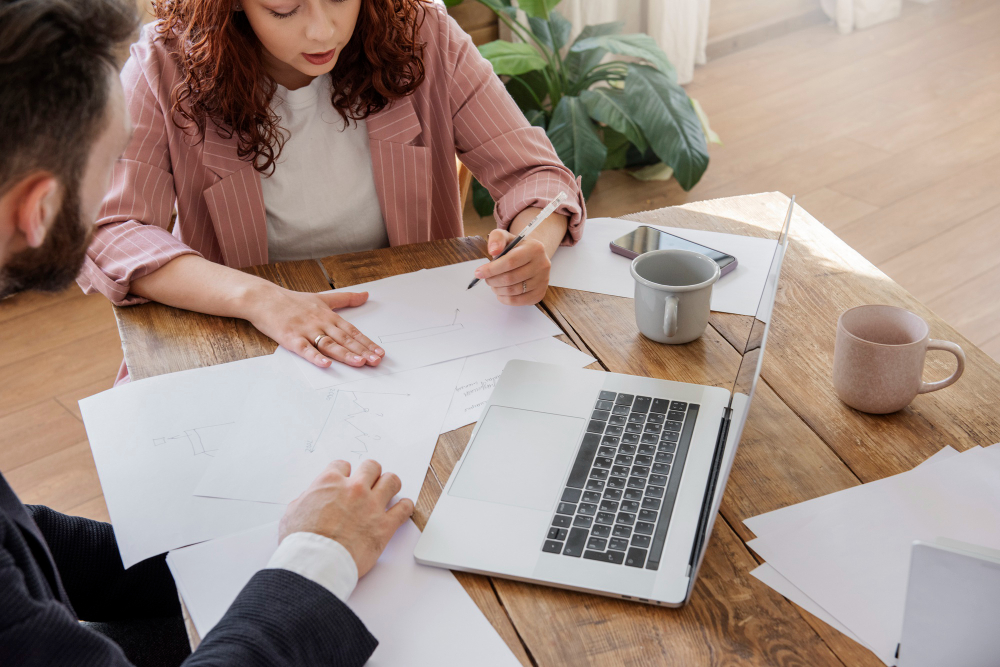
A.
pixel 295 320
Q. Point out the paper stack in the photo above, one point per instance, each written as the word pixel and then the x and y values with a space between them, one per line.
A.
pixel 844 557
pixel 196 457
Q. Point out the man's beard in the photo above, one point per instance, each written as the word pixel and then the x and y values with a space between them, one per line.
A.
pixel 55 264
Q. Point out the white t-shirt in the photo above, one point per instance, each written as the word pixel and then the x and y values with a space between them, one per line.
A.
pixel 320 200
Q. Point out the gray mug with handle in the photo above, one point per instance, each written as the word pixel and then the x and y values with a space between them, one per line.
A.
pixel 673 294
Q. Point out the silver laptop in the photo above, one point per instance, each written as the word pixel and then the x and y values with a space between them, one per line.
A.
pixel 596 481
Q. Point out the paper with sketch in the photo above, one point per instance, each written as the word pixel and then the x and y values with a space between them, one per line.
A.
pixel 420 615
pixel 481 372
pixel 153 439
pixel 853 560
pixel 428 317
pixel 592 267
pixel 289 432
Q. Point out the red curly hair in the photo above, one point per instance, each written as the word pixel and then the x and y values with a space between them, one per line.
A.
pixel 225 81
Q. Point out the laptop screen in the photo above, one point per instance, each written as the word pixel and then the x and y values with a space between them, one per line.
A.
pixel 742 393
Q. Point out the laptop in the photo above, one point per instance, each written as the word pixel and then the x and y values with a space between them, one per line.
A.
pixel 952 604
pixel 595 481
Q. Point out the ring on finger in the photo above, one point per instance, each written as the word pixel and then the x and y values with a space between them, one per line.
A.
pixel 318 339
pixel 524 286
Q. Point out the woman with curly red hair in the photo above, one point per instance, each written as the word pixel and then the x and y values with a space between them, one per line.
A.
pixel 283 130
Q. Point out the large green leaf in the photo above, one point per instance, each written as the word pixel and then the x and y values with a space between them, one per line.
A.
pixel 711 135
pixel 538 8
pixel 607 105
pixel 618 145
pixel 663 111
pixel 501 7
pixel 579 63
pixel 512 59
pixel 527 88
pixel 452 3
pixel 561 29
pixel 576 141
pixel 554 33
pixel 536 117
pixel 637 46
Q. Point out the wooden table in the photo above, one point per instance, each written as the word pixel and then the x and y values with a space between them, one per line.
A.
pixel 800 440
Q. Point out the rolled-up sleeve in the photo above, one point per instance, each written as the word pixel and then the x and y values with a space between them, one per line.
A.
pixel 512 159
pixel 131 237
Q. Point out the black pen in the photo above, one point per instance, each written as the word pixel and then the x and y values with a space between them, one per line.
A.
pixel 545 213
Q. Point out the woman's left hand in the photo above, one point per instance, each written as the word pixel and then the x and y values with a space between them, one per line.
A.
pixel 520 277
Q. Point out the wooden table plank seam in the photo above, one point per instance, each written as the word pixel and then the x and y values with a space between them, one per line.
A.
pixel 524 644
pixel 571 332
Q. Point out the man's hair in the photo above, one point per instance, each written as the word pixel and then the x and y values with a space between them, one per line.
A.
pixel 55 60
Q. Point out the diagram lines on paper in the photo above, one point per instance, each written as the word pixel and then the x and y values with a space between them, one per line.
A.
pixel 426 332
pixel 355 409
pixel 203 440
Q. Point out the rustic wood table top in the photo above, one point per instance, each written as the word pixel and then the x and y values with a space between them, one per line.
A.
pixel 800 441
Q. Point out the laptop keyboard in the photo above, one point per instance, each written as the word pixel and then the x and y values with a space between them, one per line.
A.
pixel 617 502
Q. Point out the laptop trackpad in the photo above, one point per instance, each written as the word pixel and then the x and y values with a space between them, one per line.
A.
pixel 519 457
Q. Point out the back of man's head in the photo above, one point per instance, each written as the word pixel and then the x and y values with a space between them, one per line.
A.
pixel 55 58
pixel 62 126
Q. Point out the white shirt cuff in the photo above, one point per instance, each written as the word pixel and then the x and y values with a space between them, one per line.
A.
pixel 318 559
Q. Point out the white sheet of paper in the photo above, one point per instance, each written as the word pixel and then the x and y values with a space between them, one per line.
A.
pixel 421 615
pixel 153 439
pixel 853 560
pixel 772 578
pixel 590 265
pixel 791 517
pixel 428 317
pixel 481 372
pixel 794 516
pixel 290 432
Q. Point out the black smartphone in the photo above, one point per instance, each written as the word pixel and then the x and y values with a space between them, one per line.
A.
pixel 645 239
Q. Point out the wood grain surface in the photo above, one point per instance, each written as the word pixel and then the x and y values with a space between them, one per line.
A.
pixel 800 441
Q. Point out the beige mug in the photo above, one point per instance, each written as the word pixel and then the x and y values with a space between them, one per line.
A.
pixel 878 360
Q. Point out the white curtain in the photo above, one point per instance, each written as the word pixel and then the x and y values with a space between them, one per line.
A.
pixel 679 26
pixel 861 14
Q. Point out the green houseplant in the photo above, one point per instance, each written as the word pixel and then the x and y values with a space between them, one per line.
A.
pixel 598 115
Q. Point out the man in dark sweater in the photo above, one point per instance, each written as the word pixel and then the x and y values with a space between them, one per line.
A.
pixel 63 124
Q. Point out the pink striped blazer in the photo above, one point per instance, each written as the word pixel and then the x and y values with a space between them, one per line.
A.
pixel 460 107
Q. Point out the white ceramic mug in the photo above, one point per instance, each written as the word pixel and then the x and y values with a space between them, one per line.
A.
pixel 673 294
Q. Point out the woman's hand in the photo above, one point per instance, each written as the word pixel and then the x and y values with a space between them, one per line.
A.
pixel 295 320
pixel 520 277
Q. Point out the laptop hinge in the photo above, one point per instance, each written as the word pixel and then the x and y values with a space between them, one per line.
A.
pixel 705 516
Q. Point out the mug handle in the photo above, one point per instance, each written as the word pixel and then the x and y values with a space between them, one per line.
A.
pixel 670 316
pixel 947 346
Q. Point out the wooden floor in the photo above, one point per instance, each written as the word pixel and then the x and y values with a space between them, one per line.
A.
pixel 890 136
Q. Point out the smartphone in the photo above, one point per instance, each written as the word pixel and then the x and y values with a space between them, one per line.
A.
pixel 645 239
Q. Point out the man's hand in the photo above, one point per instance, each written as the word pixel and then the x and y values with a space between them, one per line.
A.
pixel 351 509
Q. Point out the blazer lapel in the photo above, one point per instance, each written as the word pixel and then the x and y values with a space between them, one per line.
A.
pixel 235 202
pixel 402 171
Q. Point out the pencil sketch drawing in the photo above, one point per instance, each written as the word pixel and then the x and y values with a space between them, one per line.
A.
pixel 203 441
pixel 425 332
pixel 356 419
